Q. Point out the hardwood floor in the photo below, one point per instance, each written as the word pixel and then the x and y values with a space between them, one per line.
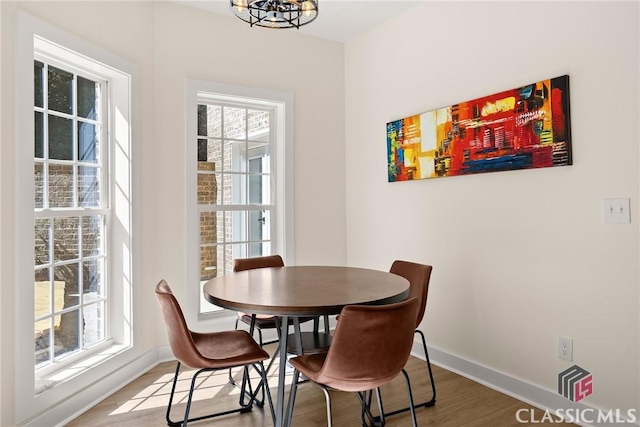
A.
pixel 460 402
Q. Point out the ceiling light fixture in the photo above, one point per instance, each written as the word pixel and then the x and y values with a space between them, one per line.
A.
pixel 275 13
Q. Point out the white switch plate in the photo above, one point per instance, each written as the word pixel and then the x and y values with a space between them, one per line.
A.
pixel 616 210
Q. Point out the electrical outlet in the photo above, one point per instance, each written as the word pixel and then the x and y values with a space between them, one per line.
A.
pixel 565 348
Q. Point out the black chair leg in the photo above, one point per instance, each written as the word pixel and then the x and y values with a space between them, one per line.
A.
pixel 173 389
pixel 243 388
pixel 365 398
pixel 243 407
pixel 433 383
pixel 430 402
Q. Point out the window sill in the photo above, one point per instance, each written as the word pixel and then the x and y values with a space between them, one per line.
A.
pixel 49 380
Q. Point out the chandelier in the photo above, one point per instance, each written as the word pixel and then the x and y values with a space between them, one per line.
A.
pixel 275 13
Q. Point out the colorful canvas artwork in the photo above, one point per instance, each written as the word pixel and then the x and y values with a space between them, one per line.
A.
pixel 522 128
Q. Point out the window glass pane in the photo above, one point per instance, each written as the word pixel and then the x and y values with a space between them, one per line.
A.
pixel 38 182
pixel 93 321
pixel 88 91
pixel 223 268
pixel 236 226
pixel 255 249
pixel 235 156
pixel 39 135
pixel 60 138
pixel 91 234
pixel 42 231
pixel 91 281
pixel 202 150
pixel 208 228
pixel 259 249
pixel 209 125
pixel 208 249
pixel 67 333
pixel 88 186
pixel 221 191
pixel 220 235
pixel 87 142
pixel 235 123
pixel 60 186
pixel 60 90
pixel 38 82
pixel 65 231
pixel 259 225
pixel 67 277
pixel 42 294
pixel 208 262
pixel 259 153
pixel 213 155
pixel 231 252
pixel 209 120
pixel 259 189
pixel 258 124
pixel 207 186
pixel 235 189
pixel 42 330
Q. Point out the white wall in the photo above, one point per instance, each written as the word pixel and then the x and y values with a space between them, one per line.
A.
pixel 170 43
pixel 523 257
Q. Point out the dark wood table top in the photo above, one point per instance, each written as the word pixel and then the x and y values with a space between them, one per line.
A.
pixel 304 290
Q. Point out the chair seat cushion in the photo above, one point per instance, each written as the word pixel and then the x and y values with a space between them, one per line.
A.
pixel 309 365
pixel 226 349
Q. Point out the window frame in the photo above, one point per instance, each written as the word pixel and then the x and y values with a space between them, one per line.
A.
pixel 35 396
pixel 104 209
pixel 282 182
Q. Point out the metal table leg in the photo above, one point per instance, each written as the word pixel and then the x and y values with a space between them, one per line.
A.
pixel 282 371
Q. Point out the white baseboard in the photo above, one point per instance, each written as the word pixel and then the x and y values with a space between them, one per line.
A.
pixel 543 399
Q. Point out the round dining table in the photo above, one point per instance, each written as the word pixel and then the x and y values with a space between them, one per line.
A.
pixel 297 291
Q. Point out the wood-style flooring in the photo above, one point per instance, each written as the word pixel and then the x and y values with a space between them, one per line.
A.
pixel 460 402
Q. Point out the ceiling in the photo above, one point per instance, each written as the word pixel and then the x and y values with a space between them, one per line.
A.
pixel 337 20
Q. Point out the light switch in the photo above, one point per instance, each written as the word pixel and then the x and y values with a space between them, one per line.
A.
pixel 616 210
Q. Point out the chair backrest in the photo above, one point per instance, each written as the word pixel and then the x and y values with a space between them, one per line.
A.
pixel 180 338
pixel 418 276
pixel 370 346
pixel 241 264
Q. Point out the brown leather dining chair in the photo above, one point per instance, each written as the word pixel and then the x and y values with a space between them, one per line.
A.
pixel 418 276
pixel 208 352
pixel 370 347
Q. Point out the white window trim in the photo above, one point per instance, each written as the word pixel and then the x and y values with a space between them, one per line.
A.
pixel 282 180
pixel 29 403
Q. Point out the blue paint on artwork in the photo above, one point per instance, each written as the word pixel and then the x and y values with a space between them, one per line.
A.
pixel 508 162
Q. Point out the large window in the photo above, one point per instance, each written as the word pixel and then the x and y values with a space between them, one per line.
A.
pixel 72 211
pixel 240 146
pixel 234 190
pixel 75 221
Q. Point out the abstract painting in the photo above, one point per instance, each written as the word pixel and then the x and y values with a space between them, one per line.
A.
pixel 523 128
